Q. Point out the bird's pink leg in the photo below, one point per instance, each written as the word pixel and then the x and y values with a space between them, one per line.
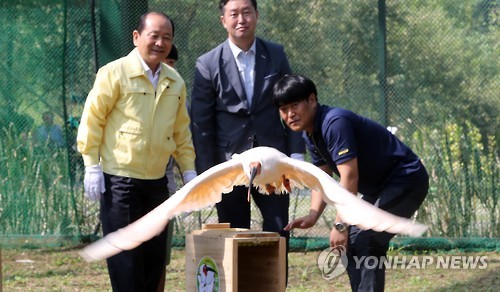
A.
pixel 286 183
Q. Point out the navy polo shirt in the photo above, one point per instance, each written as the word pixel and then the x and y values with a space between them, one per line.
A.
pixel 340 135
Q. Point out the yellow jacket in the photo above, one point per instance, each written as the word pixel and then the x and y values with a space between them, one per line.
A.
pixel 131 129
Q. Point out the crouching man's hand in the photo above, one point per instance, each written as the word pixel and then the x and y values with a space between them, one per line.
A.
pixel 303 222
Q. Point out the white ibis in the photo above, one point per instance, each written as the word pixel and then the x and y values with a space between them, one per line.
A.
pixel 270 171
pixel 206 278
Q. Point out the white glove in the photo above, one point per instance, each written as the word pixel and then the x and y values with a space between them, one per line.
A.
pixel 188 176
pixel 93 182
pixel 298 156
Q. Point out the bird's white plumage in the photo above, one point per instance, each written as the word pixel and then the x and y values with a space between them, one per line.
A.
pixel 205 190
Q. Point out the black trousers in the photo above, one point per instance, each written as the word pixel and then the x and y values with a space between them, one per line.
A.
pixel 234 208
pixel 126 200
pixel 397 199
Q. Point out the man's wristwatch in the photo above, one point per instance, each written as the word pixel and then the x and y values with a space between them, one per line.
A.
pixel 341 227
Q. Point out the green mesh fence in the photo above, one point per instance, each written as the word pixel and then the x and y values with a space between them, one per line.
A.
pixel 428 68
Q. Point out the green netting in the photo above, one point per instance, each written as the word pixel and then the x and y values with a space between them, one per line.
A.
pixel 428 68
pixel 423 245
pixel 406 244
pixel 470 244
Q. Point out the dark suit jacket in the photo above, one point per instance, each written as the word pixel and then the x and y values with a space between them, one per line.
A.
pixel 221 121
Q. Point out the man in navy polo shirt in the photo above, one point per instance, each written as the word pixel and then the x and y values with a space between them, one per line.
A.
pixel 368 159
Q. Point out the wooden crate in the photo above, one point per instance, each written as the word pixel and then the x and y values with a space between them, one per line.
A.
pixel 233 259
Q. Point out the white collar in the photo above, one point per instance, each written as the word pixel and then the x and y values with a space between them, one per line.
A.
pixel 145 66
pixel 236 50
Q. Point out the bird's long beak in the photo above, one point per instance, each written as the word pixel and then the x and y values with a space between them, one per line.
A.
pixel 254 170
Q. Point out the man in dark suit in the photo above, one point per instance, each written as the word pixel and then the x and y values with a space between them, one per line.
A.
pixel 232 111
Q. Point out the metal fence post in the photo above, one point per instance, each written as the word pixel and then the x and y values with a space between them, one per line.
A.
pixel 382 60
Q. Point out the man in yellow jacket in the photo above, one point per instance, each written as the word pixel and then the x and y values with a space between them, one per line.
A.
pixel 134 118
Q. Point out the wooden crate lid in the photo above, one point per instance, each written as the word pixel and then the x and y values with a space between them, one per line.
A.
pixel 223 230
pixel 207 226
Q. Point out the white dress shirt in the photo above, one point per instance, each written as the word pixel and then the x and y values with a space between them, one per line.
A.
pixel 246 66
pixel 152 77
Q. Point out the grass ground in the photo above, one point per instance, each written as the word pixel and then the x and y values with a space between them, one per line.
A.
pixel 64 270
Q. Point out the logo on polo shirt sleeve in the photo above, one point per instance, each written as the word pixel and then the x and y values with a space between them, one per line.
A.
pixel 344 151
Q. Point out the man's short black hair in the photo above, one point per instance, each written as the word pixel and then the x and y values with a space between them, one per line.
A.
pixel 173 53
pixel 142 21
pixel 223 3
pixel 293 88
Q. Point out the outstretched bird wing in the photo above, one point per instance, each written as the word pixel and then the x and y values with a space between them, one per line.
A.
pixel 203 191
pixel 352 210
